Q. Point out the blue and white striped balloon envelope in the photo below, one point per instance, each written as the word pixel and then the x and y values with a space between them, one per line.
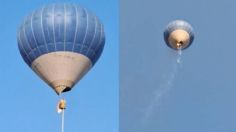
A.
pixel 178 35
pixel 61 42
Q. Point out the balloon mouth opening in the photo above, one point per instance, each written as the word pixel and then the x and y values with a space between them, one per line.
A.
pixel 62 89
pixel 181 42
pixel 179 45
pixel 66 89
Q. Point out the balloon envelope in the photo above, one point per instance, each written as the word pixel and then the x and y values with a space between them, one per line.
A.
pixel 178 34
pixel 61 42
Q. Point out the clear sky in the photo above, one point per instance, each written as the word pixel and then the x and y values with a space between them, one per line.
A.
pixel 29 105
pixel 202 96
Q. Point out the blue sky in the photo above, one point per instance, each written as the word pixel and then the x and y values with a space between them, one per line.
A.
pixel 28 104
pixel 202 95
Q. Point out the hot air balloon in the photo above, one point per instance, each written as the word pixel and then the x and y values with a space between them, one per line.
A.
pixel 61 43
pixel 178 35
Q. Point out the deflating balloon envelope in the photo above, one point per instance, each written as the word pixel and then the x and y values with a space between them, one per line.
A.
pixel 61 42
pixel 178 35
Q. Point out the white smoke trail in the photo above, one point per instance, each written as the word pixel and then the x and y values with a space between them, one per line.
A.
pixel 62 120
pixel 164 87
